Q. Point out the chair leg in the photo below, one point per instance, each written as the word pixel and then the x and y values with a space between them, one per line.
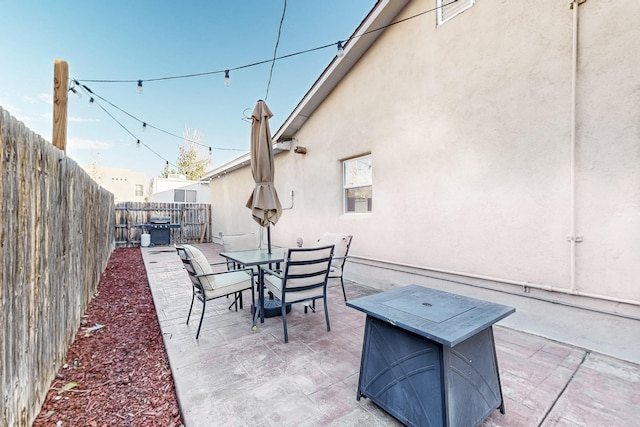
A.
pixel 236 297
pixel 193 297
pixel 326 314
pixel 204 305
pixel 284 321
pixel 344 294
pixel 312 307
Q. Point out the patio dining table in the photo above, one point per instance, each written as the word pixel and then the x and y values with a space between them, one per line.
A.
pixel 258 258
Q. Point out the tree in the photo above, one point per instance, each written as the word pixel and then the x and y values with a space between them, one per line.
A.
pixel 191 161
pixel 166 171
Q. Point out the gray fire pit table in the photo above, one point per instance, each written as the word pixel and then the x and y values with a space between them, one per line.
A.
pixel 428 356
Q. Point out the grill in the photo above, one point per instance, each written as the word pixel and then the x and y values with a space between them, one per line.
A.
pixel 160 229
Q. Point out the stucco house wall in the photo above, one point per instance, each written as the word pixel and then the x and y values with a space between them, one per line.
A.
pixel 203 195
pixel 126 185
pixel 476 166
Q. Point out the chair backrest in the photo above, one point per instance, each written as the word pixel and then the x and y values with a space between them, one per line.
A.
pixel 306 269
pixel 239 242
pixel 196 264
pixel 342 242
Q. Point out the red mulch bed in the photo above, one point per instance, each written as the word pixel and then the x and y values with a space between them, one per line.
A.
pixel 121 369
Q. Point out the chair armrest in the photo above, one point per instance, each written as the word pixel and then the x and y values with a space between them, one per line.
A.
pixel 271 272
pixel 220 263
pixel 247 270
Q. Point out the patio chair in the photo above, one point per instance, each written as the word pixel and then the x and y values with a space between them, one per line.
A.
pixel 240 242
pixel 208 285
pixel 303 279
pixel 342 243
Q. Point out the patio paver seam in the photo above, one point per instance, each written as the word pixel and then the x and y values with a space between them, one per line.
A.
pixel 573 375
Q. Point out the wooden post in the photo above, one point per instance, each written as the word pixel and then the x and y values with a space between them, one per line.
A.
pixel 60 92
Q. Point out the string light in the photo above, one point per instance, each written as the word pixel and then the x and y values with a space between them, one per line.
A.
pixel 77 93
pixel 91 101
pixel 147 125
pixel 144 127
pixel 226 72
pixel 255 64
pixel 138 142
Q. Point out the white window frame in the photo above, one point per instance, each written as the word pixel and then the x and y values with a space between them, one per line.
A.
pixel 139 189
pixel 450 9
pixel 346 185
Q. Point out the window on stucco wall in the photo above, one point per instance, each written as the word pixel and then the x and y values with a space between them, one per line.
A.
pixel 188 196
pixel 447 9
pixel 358 184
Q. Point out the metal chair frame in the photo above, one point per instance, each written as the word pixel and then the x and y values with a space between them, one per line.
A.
pixel 348 237
pixel 291 272
pixel 200 292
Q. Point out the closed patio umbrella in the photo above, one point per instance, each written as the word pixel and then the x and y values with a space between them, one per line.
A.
pixel 263 202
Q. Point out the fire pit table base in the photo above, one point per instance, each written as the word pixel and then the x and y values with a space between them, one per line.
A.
pixel 428 357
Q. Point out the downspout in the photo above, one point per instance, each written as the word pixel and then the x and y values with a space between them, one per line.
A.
pixel 573 238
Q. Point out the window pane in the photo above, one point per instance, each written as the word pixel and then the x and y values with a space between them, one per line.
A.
pixel 191 196
pixel 178 195
pixel 358 199
pixel 138 190
pixel 357 172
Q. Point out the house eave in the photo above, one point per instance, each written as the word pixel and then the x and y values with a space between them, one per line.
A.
pixel 381 15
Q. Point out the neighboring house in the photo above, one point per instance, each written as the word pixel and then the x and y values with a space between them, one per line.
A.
pixel 126 185
pixel 499 144
pixel 176 188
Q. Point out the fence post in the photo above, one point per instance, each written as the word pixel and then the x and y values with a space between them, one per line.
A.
pixel 60 92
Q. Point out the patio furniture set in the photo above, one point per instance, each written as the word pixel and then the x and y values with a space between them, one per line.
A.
pixel 428 356
pixel 295 275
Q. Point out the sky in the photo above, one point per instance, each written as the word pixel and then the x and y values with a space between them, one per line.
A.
pixel 145 40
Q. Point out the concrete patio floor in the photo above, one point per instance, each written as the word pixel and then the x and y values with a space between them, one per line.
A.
pixel 233 376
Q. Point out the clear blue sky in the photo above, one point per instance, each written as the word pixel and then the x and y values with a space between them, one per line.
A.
pixel 125 40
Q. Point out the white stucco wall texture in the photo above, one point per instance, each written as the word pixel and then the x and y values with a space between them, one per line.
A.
pixel 469 128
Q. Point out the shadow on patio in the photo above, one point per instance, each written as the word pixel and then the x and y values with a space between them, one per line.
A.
pixel 234 376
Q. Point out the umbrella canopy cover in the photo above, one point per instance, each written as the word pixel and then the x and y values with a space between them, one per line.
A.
pixel 263 202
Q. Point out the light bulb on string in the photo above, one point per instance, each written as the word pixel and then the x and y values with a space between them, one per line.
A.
pixel 144 127
pixel 140 87
pixel 138 144
pixel 227 79
pixel 340 49
pixel 210 151
pixel 75 92
pixel 91 102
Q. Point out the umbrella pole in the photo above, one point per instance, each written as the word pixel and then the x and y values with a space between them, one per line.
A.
pixel 268 239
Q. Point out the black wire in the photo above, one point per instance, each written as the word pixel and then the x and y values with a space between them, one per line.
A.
pixel 86 88
pixel 183 76
pixel 88 91
pixel 275 50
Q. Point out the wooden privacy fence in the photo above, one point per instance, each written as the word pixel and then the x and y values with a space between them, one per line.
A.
pixel 193 218
pixel 56 236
